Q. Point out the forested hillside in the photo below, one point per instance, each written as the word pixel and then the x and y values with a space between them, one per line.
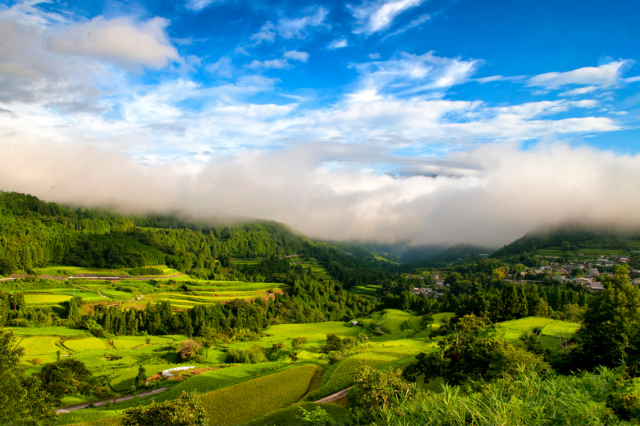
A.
pixel 577 237
pixel 446 257
pixel 34 233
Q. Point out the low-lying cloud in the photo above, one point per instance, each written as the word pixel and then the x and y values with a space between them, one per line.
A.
pixel 491 195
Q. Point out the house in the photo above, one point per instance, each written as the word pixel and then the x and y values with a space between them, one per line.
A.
pixel 440 283
pixel 635 282
pixel 354 323
pixel 595 287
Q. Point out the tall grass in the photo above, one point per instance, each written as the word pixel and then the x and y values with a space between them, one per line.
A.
pixel 530 400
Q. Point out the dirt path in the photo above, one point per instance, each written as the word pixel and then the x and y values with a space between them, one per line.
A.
pixel 380 329
pixel 76 407
pixel 334 397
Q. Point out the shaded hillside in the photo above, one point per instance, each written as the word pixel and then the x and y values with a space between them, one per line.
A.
pixel 450 256
pixel 421 252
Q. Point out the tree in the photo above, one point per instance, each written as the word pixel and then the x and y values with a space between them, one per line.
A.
pixel 7 266
pixel 23 400
pixel 141 378
pixel 376 389
pixel 298 342
pixel 65 377
pixel 74 313
pixel 186 410
pixel 467 355
pixel 334 343
pixel 610 331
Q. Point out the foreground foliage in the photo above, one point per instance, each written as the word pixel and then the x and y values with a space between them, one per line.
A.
pixel 22 399
pixel 532 399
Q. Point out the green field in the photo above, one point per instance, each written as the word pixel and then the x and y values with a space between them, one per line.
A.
pixel 552 330
pixel 264 387
pixel 246 401
pixel 66 271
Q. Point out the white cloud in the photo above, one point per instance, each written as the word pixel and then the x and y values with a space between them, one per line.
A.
pixel 299 27
pixel 489 79
pixel 297 56
pixel 604 75
pixel 579 91
pixel 222 67
pixel 374 56
pixel 266 33
pixel 338 44
pixel 632 79
pixel 268 64
pixel 413 74
pixel 198 5
pixel 375 16
pixel 413 24
pixel 120 40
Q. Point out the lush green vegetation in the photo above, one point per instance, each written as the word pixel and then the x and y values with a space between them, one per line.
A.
pixel 270 321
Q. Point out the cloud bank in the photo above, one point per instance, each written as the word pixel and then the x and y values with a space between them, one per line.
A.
pixel 490 195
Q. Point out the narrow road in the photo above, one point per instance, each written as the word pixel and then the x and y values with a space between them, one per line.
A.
pixel 334 397
pixel 76 407
pixel 380 329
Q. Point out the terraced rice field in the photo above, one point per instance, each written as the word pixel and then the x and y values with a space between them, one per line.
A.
pixel 88 344
pixel 392 321
pixel 316 267
pixel 41 347
pixel 45 299
pixel 552 331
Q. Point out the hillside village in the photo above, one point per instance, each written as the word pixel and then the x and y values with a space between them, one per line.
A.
pixel 587 273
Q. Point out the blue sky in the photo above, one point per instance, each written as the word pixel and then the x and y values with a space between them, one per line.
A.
pixel 380 105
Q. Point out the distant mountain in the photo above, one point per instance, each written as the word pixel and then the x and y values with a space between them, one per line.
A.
pixel 421 252
pixel 392 252
pixel 578 236
pixel 455 254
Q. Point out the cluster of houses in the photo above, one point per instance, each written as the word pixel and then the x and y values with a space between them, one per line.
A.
pixel 429 292
pixel 589 270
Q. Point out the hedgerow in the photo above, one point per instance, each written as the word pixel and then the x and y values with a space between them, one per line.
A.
pixel 255 398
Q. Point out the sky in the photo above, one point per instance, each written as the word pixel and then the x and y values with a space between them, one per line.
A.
pixel 428 121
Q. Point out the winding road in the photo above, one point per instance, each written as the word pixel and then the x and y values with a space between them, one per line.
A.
pixel 123 398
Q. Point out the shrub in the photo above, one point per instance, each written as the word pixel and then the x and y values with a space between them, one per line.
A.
pixel 252 356
pixel 191 351
pixel 625 405
pixel 184 411
pixel 298 342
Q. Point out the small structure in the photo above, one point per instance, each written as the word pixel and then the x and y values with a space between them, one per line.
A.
pixel 169 372
pixel 354 323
